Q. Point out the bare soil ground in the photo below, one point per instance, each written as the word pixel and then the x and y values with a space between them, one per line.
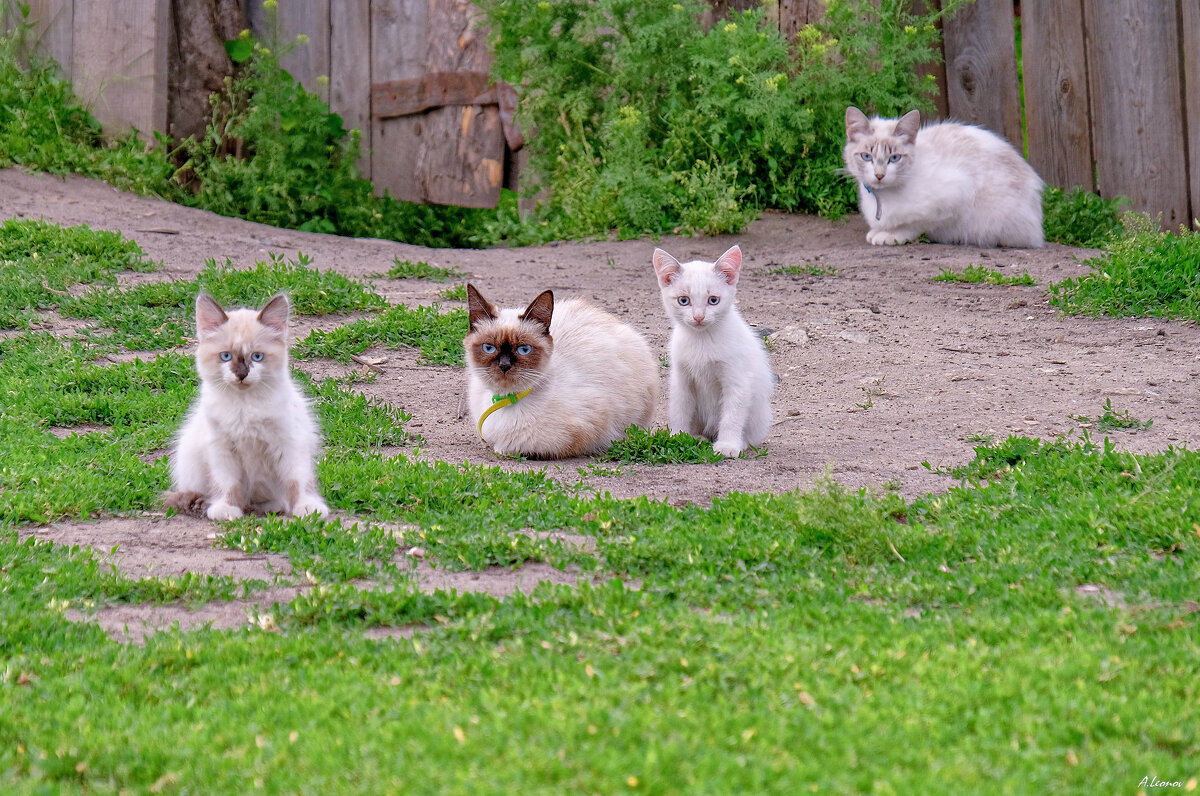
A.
pixel 880 368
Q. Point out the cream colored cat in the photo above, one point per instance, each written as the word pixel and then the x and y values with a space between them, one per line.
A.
pixel 953 182
pixel 555 380
pixel 250 440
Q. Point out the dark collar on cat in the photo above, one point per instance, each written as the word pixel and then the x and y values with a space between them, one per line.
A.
pixel 878 204
pixel 499 402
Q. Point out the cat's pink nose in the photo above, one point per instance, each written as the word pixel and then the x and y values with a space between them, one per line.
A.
pixel 879 175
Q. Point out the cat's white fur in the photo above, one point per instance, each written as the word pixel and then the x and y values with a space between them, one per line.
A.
pixel 953 182
pixel 720 380
pixel 600 378
pixel 250 439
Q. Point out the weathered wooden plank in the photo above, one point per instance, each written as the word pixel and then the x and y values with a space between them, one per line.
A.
pixel 936 68
pixel 1191 85
pixel 1137 105
pixel 1056 93
pixel 432 90
pixel 120 63
pixel 981 68
pixel 398 45
pixel 309 61
pixel 350 71
pixel 795 14
pixel 53 30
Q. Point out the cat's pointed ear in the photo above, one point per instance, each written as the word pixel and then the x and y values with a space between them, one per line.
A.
pixel 478 308
pixel 666 267
pixel 209 315
pixel 729 265
pixel 908 125
pixel 275 314
pixel 540 309
pixel 857 123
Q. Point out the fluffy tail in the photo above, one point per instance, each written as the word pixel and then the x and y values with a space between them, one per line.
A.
pixel 192 504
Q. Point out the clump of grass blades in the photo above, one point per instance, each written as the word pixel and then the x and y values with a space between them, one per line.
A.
pixel 1081 218
pixel 978 274
pixel 640 446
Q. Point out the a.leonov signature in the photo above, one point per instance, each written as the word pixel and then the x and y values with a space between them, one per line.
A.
pixel 1155 782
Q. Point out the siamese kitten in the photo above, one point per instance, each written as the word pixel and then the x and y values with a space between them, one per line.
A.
pixel 588 376
pixel 953 182
pixel 250 440
pixel 720 380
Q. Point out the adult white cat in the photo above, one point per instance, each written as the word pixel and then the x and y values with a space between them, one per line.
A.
pixel 557 379
pixel 720 380
pixel 250 440
pixel 953 182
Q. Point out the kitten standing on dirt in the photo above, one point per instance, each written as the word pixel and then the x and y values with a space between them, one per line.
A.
pixel 721 381
pixel 250 440
pixel 953 182
pixel 555 380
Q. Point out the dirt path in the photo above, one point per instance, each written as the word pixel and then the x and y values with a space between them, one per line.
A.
pixel 880 367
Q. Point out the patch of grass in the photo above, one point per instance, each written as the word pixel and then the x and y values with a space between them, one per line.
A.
pixel 39 261
pixel 407 269
pixel 1111 420
pixel 322 549
pixel 1081 218
pixel 437 334
pixel 804 269
pixel 978 274
pixel 456 293
pixel 162 314
pixel 660 446
pixel 1147 273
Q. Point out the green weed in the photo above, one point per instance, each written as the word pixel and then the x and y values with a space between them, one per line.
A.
pixel 438 335
pixel 407 269
pixel 1111 420
pixel 660 446
pixel 978 274
pixel 456 293
pixel 804 269
pixel 1081 218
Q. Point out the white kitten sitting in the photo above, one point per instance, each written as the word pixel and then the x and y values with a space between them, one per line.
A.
pixel 250 440
pixel 720 380
pixel 953 182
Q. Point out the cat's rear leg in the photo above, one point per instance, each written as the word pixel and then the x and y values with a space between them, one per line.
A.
pixel 303 498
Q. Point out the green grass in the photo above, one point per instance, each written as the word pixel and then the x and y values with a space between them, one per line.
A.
pixel 1111 420
pixel 978 274
pixel 1147 273
pixel 456 293
pixel 804 269
pixel 1081 218
pixel 660 446
pixel 407 269
pixel 437 334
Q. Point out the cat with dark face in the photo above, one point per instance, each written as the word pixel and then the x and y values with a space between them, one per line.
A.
pixel 555 380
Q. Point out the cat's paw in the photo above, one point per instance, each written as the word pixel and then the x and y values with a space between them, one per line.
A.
pixel 729 449
pixel 223 511
pixel 886 237
pixel 310 505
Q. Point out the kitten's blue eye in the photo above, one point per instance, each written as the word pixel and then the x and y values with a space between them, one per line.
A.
pixel 684 301
pixel 866 157
pixel 488 348
pixel 257 356
pixel 226 356
pixel 523 349
pixel 893 159
pixel 714 300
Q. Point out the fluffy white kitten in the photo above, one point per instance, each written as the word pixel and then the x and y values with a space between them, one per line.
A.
pixel 720 380
pixel 590 376
pixel 250 440
pixel 953 182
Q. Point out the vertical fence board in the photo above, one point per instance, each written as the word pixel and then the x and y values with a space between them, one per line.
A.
pixel 1190 69
pixel 795 14
pixel 1136 101
pixel 53 30
pixel 935 68
pixel 306 62
pixel 981 68
pixel 350 71
pixel 120 63
pixel 398 45
pixel 1056 93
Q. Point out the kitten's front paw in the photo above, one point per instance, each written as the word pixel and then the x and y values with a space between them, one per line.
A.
pixel 223 511
pixel 729 449
pixel 310 505
pixel 885 237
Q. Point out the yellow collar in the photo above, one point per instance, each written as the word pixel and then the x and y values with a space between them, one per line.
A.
pixel 499 402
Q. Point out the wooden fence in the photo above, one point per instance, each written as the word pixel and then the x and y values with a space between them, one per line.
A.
pixel 1112 87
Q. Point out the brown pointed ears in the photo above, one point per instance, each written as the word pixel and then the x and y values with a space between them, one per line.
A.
pixel 729 265
pixel 209 315
pixel 666 267
pixel 478 308
pixel 857 123
pixel 540 310
pixel 275 314
pixel 908 125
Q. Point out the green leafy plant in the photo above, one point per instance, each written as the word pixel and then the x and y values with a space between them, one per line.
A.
pixel 1081 218
pixel 660 446
pixel 804 269
pixel 978 274
pixel 407 269
pixel 1111 420
pixel 455 293
pixel 438 335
